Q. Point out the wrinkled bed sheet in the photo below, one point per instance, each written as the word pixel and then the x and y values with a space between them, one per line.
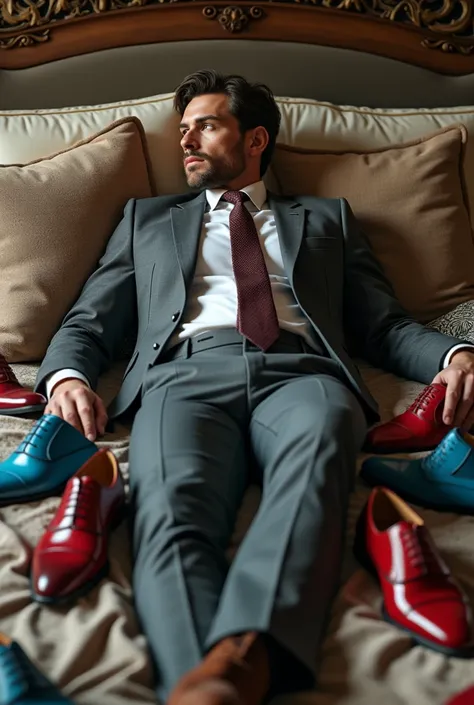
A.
pixel 94 649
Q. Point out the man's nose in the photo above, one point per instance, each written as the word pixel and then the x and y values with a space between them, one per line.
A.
pixel 189 141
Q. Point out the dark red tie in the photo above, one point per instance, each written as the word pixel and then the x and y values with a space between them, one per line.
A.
pixel 256 315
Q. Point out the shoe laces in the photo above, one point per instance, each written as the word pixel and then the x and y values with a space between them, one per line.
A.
pixel 39 429
pixel 440 453
pixel 6 372
pixel 419 551
pixel 424 399
pixel 77 503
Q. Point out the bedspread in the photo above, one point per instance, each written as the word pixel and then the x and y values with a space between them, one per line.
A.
pixel 94 649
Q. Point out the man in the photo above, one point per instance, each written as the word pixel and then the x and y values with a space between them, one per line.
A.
pixel 281 400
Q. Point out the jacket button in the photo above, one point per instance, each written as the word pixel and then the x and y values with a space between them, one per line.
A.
pixel 156 346
pixel 175 316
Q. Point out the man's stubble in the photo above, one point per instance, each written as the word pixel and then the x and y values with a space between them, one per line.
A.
pixel 218 172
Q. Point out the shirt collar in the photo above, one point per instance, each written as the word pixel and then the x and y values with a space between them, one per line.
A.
pixel 257 193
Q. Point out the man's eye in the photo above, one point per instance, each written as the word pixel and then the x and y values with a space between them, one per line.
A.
pixel 183 132
pixel 208 124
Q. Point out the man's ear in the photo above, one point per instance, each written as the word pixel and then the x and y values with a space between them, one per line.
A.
pixel 258 141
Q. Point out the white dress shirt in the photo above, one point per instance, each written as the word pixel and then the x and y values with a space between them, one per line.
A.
pixel 212 300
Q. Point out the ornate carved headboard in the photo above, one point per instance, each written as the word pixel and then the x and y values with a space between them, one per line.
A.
pixel 401 53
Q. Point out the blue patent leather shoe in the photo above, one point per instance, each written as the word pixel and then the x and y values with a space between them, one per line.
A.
pixel 443 480
pixel 21 683
pixel 42 464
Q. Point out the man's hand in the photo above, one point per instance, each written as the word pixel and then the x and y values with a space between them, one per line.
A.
pixel 458 378
pixel 73 401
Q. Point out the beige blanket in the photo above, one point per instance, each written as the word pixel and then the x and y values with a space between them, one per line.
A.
pixel 96 654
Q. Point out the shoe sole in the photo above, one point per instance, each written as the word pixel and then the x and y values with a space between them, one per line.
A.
pixel 23 410
pixel 463 652
pixel 453 509
pixel 466 652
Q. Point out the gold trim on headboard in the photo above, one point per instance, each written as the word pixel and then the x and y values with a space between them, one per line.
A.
pixel 438 35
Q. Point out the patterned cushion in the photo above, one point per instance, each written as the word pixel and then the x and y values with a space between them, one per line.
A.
pixel 459 322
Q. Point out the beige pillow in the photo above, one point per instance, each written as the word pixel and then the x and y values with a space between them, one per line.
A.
pixel 409 199
pixel 57 216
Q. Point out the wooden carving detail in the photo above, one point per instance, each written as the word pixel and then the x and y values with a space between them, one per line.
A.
pixel 24 40
pixel 449 24
pixel 29 14
pixel 452 18
pixel 449 47
pixel 233 18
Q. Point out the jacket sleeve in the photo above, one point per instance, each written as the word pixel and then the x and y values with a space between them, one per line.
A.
pixel 104 313
pixel 380 329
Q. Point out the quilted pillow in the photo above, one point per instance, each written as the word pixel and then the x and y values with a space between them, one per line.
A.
pixel 459 322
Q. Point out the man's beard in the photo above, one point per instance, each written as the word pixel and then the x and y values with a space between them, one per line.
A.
pixel 216 174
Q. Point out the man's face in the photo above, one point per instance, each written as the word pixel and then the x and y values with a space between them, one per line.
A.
pixel 213 146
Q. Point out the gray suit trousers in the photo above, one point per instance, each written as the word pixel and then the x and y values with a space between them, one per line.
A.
pixel 207 423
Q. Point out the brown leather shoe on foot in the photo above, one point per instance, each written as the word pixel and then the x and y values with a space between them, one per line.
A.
pixel 235 672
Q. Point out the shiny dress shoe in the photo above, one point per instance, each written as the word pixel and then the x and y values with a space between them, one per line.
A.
pixel 43 462
pixel 419 593
pixel 15 399
pixel 443 480
pixel 21 683
pixel 465 697
pixel 71 556
pixel 419 428
pixel 235 672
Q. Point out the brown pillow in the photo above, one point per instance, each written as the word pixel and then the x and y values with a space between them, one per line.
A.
pixel 57 216
pixel 410 202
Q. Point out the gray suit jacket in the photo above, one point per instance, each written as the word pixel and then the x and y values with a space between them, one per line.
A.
pixel 142 281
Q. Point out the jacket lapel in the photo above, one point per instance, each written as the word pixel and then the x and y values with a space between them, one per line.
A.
pixel 186 224
pixel 290 223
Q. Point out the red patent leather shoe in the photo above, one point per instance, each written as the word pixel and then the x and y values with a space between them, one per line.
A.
pixel 419 428
pixel 419 593
pixel 71 556
pixel 15 399
pixel 465 697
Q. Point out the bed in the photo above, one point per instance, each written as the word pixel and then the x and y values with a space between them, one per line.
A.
pixel 353 76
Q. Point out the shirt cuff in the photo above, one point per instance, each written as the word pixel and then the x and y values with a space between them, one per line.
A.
pixel 61 375
pixel 454 349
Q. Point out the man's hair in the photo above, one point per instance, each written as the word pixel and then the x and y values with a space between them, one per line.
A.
pixel 252 104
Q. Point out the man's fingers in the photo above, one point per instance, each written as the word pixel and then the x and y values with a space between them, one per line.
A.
pixel 69 413
pixel 87 417
pixel 53 408
pixel 101 416
pixel 77 407
pixel 453 393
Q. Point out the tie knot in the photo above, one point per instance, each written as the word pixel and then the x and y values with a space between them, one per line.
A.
pixel 235 197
